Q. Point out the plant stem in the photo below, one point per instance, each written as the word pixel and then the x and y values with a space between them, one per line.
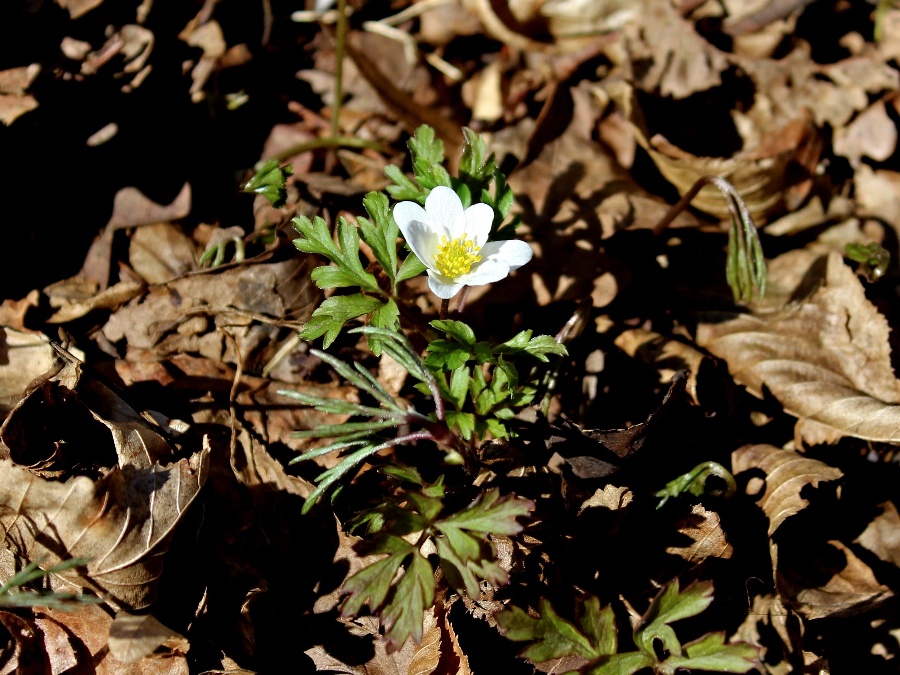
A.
pixel 445 308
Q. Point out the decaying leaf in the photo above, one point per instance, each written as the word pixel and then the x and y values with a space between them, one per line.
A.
pixel 131 208
pixel 24 357
pixel 121 520
pixel 826 359
pixel 882 535
pixel 596 453
pixel 682 62
pixel 14 102
pixel 787 473
pixel 135 636
pixel 850 586
pixel 708 539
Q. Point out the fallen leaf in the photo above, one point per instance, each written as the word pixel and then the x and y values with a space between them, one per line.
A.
pixel 708 540
pixel 133 637
pixel 882 534
pixel 787 473
pixel 826 359
pixel 24 357
pixel 130 209
pixel 77 8
pixel 161 252
pixel 848 591
pixel 681 62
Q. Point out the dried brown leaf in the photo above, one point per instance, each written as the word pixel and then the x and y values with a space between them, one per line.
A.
pixel 871 134
pixel 133 637
pixel 25 654
pixel 427 655
pixel 13 106
pixel 76 297
pixel 161 252
pixel 850 589
pixel 787 473
pixel 826 359
pixel 131 208
pixel 77 8
pixel 708 539
pixel 681 61
pixel 122 523
pixel 882 534
pixel 24 357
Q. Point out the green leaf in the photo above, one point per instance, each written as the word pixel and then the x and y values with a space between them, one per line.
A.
pixel 269 181
pixel 328 478
pixel 446 355
pixel 491 514
pixel 411 267
pixel 334 312
pixel 668 606
pixel 458 330
pixel 537 347
pixel 415 593
pixel 599 625
pixel 711 653
pixel 553 636
pixel 427 153
pixel 403 188
pixel 514 344
pixel 315 238
pixel 381 232
pixel 464 421
pixel 387 316
pixel 370 585
pixel 474 167
pixel 459 386
pixel 622 664
pixel 542 345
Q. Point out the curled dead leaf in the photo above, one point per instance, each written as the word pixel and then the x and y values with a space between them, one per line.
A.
pixel 826 359
pixel 707 538
pixel 787 473
pixel 133 637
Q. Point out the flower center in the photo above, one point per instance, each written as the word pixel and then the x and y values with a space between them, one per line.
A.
pixel 456 257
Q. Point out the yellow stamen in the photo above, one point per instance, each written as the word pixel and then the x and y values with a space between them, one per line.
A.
pixel 456 257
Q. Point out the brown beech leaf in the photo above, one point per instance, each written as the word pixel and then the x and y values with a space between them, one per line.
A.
pixel 24 357
pixel 25 654
pixel 122 523
pixel 427 654
pixel 882 534
pixel 76 297
pixel 86 638
pixel 135 636
pixel 708 540
pixel 850 588
pixel 825 359
pixel 161 252
pixel 131 208
pixel 787 473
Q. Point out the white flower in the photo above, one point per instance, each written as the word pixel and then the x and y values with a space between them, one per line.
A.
pixel 452 242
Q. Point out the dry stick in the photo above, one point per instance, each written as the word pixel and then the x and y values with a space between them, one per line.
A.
pixel 682 204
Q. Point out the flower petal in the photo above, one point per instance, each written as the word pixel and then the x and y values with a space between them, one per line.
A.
pixel 486 272
pixel 513 252
pixel 408 212
pixel 422 240
pixel 479 218
pixel 443 289
pixel 445 212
